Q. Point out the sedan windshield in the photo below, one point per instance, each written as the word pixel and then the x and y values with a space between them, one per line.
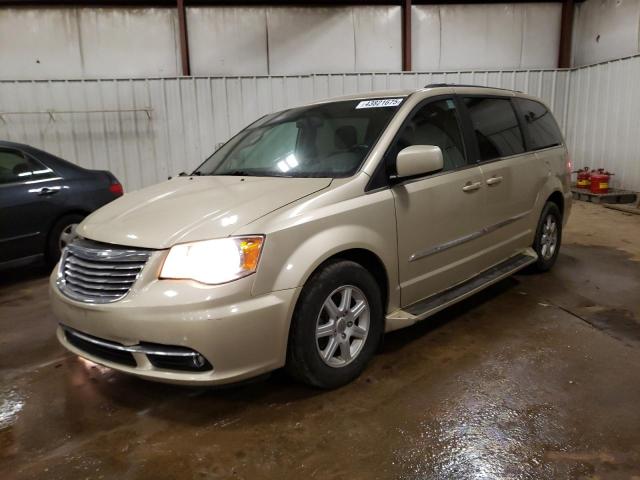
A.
pixel 326 140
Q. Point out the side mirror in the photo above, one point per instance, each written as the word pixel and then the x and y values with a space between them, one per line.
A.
pixel 419 160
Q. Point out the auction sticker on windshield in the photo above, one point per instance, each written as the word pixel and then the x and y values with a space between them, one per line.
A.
pixel 383 102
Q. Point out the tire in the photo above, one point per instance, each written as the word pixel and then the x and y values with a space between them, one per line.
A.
pixel 309 359
pixel 548 238
pixel 56 239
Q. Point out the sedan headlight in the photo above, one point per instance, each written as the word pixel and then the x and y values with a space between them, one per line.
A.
pixel 213 261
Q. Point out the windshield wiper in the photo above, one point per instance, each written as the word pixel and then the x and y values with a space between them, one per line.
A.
pixel 236 173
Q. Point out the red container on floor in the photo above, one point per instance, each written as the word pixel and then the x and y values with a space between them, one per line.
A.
pixel 584 178
pixel 600 181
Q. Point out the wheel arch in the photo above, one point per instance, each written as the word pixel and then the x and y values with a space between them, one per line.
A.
pixel 293 358
pixel 369 261
pixel 558 198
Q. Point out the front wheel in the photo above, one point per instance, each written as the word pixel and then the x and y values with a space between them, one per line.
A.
pixel 548 237
pixel 336 326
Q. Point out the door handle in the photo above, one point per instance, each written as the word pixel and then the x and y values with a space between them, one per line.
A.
pixel 494 180
pixel 470 187
pixel 46 191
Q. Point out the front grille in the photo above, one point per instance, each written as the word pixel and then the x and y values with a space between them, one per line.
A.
pixel 93 272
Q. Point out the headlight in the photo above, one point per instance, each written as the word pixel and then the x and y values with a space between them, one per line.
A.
pixel 213 261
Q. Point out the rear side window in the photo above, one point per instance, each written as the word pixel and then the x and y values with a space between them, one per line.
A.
pixel 496 127
pixel 541 127
pixel 16 168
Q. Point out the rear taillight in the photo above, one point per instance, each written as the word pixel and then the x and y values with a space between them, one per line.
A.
pixel 116 189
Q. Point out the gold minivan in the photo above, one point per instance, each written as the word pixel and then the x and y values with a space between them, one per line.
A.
pixel 312 232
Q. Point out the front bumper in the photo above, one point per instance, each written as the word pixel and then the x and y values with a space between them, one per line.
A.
pixel 239 335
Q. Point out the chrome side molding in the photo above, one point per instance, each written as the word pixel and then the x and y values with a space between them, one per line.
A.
pixel 466 238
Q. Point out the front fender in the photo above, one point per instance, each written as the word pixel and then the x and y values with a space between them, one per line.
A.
pixel 295 247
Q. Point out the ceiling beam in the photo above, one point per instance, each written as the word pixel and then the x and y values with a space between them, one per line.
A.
pixel 232 3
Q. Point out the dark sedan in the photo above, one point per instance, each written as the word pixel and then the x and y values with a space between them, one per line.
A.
pixel 42 199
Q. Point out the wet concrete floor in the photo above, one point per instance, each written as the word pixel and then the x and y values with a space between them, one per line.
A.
pixel 536 378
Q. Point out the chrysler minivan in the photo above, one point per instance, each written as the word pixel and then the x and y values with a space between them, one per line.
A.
pixel 314 231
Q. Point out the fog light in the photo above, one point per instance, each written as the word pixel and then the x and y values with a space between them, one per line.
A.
pixel 199 361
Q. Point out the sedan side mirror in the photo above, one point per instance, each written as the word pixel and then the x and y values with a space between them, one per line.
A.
pixel 419 160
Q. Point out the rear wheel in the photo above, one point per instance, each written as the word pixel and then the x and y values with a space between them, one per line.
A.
pixel 548 237
pixel 62 232
pixel 336 327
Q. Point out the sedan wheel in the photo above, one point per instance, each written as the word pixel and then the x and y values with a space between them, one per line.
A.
pixel 60 235
pixel 67 234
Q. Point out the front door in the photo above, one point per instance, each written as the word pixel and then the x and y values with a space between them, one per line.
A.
pixel 439 216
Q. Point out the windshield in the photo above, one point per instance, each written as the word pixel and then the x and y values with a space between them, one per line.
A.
pixel 327 140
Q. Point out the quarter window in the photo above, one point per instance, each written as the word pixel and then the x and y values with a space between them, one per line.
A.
pixel 435 124
pixel 496 127
pixel 542 129
pixel 13 167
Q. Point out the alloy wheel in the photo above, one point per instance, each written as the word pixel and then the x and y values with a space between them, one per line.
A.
pixel 549 238
pixel 67 235
pixel 342 326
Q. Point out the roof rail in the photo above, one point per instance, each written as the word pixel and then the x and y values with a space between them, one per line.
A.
pixel 435 85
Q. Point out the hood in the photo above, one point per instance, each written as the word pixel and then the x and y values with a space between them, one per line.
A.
pixel 193 208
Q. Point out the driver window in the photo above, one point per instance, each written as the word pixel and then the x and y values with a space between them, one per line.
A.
pixel 436 124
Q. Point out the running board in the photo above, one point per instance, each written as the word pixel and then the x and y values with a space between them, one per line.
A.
pixel 431 305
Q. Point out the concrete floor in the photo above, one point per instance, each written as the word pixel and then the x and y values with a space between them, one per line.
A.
pixel 538 377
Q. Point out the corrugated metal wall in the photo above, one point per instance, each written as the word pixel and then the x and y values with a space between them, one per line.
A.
pixel 146 130
pixel 603 123
pixel 47 42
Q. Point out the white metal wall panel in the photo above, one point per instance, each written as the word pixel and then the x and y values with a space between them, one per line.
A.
pixel 303 40
pixel 39 44
pixel 503 36
pixel 425 37
pixel 605 30
pixel 290 41
pixel 541 35
pixel 115 42
pixel 88 42
pixel 378 41
pixel 227 40
pixel 106 126
pixel 603 120
pixel 492 36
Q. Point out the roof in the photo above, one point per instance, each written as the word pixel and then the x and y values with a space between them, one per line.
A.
pixel 368 95
pixel 8 144
pixel 449 87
